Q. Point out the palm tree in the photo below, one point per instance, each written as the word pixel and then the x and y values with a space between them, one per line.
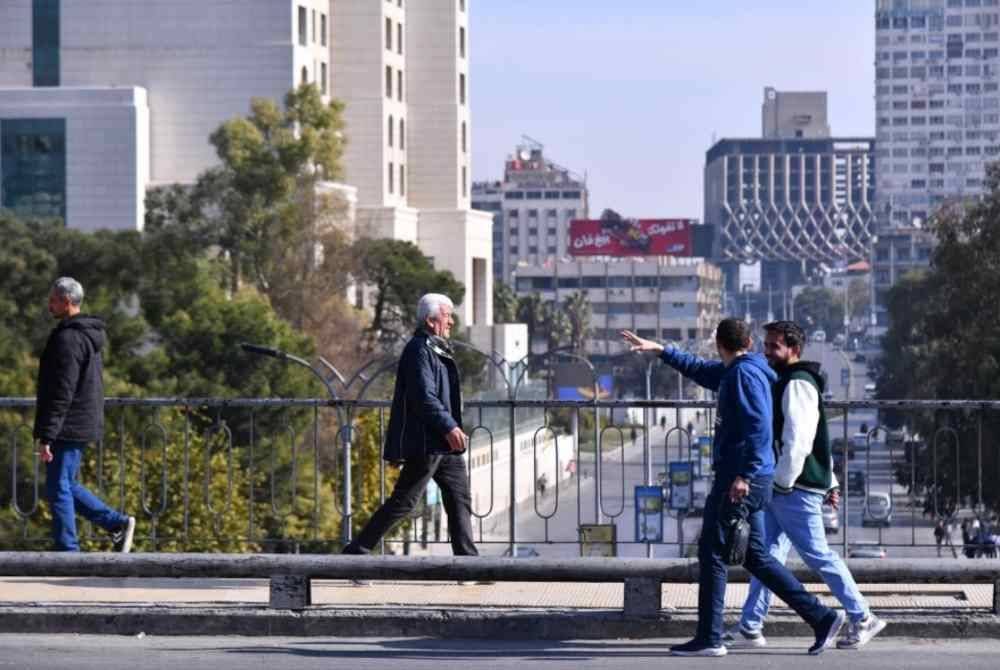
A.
pixel 531 311
pixel 577 309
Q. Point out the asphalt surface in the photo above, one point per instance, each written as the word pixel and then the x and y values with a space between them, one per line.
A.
pixel 48 652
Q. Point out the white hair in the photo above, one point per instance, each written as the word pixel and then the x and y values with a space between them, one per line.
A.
pixel 430 306
pixel 69 288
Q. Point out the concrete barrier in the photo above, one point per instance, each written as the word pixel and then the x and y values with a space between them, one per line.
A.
pixel 290 574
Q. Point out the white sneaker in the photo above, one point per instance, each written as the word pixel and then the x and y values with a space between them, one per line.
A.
pixel 121 538
pixel 860 633
pixel 738 638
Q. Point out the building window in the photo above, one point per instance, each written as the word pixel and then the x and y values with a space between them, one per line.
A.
pixel 322 29
pixel 392 177
pixel 45 18
pixel 314 26
pixel 461 42
pixel 465 181
pixel 304 77
pixel 399 38
pixel 461 89
pixel 303 29
pixel 388 34
pixel 399 86
pixel 461 5
pixel 323 78
pixel 392 128
pixel 464 137
pixel 402 179
pixel 388 81
pixel 402 134
pixel 33 167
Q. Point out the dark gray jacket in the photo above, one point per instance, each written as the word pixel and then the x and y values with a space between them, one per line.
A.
pixel 427 401
pixel 70 400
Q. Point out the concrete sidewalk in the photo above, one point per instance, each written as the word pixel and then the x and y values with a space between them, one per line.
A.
pixel 502 610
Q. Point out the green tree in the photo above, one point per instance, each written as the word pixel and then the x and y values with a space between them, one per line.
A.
pixel 943 343
pixel 398 274
pixel 531 311
pixel 820 308
pixel 504 303
pixel 577 309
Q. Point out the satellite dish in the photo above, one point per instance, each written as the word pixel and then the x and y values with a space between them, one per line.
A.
pixel 524 154
pixel 771 94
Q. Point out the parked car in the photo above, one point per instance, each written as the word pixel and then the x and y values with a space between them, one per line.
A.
pixel 838 340
pixel 870 389
pixel 878 509
pixel 856 483
pixel 837 447
pixel 819 336
pixel 860 358
pixel 863 549
pixel 827 396
pixel 831 519
pixel 523 551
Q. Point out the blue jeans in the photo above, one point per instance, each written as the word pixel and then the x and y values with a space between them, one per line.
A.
pixel 66 496
pixel 713 572
pixel 796 520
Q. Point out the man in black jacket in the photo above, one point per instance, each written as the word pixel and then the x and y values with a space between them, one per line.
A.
pixel 69 413
pixel 425 433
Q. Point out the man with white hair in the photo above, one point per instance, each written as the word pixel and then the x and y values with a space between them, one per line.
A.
pixel 425 432
pixel 69 413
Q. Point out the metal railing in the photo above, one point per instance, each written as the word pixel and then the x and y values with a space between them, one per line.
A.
pixel 211 474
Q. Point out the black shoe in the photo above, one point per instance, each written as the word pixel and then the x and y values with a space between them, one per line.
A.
pixel 697 648
pixel 827 631
pixel 121 537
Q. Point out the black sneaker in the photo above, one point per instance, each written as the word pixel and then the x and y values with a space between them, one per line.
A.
pixel 121 537
pixel 827 631
pixel 697 648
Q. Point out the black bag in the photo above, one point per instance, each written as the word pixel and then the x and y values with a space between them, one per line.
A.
pixel 735 531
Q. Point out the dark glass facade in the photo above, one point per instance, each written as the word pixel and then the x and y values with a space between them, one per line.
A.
pixel 33 167
pixel 45 42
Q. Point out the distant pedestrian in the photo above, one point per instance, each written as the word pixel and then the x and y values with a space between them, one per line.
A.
pixel 69 413
pixel 939 534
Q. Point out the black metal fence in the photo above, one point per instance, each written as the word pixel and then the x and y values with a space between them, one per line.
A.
pixel 301 475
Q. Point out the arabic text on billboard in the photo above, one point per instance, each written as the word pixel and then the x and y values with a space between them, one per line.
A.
pixel 630 237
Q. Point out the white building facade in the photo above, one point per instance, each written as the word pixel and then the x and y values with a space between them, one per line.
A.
pixel 189 65
pixel 662 298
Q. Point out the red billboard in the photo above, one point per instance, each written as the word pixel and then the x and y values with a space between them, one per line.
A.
pixel 630 237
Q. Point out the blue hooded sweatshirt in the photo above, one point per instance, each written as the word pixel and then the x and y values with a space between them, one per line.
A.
pixel 744 437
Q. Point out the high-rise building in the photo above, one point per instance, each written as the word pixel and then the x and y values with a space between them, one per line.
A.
pixel 99 100
pixel 795 201
pixel 799 114
pixel 532 208
pixel 937 101
pixel 402 70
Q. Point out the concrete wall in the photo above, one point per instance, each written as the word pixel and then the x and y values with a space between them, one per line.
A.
pixel 107 151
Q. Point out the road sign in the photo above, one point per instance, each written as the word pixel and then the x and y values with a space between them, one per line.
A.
pixel 648 514
pixel 681 476
pixel 598 539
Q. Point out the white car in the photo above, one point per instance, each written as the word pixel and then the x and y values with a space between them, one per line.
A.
pixel 819 336
pixel 878 509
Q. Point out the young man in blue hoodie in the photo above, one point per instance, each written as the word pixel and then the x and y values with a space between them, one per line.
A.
pixel 743 460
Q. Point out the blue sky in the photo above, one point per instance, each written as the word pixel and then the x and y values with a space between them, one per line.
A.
pixel 633 91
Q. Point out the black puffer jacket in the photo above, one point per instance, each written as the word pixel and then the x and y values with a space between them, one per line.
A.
pixel 70 402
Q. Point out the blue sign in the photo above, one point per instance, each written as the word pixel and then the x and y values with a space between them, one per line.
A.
pixel 681 477
pixel 648 514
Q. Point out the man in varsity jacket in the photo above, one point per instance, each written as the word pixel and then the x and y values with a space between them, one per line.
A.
pixel 803 479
